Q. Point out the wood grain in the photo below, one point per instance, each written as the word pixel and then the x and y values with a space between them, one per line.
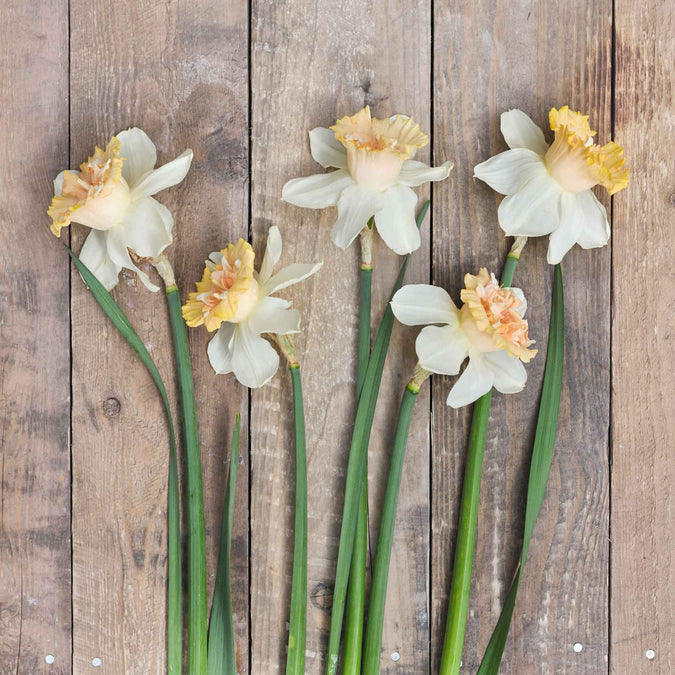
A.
pixel 643 523
pixel 35 617
pixel 179 72
pixel 490 57
pixel 311 63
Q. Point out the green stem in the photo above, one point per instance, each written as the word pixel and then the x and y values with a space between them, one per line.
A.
pixel 460 585
pixel 363 422
pixel 174 661
pixel 222 653
pixel 378 593
pixel 295 663
pixel 197 654
pixel 466 538
pixel 356 598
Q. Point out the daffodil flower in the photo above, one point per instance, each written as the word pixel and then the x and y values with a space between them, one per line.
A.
pixel 375 176
pixel 112 194
pixel 237 301
pixel 489 329
pixel 548 188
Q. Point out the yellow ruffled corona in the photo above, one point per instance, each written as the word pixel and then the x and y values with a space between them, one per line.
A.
pixel 576 162
pixel 98 179
pixel 227 288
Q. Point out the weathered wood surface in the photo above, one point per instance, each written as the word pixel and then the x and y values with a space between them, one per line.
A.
pixel 305 74
pixel 182 76
pixel 182 72
pixel 643 425
pixel 482 69
pixel 35 616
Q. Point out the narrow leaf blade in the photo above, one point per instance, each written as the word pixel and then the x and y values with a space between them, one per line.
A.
pixel 542 457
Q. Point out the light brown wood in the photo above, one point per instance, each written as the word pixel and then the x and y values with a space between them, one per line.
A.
pixel 180 73
pixel 642 603
pixel 490 57
pixel 35 617
pixel 311 63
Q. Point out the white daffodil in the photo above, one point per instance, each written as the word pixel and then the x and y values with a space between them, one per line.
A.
pixel 549 188
pixel 111 194
pixel 489 329
pixel 374 177
pixel 237 301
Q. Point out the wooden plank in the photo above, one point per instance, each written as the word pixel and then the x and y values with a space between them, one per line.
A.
pixel 490 57
pixel 313 62
pixel 35 617
pixel 642 603
pixel 179 71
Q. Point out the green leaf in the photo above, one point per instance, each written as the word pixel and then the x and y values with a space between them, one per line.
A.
pixel 356 588
pixel 222 655
pixel 174 602
pixel 297 634
pixel 378 593
pixel 365 412
pixel 542 456
pixel 196 576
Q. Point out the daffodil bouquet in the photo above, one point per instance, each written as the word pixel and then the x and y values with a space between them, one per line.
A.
pixel 371 179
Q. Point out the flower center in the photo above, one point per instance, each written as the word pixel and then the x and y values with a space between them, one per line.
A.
pixel 492 317
pixel 575 162
pixel 227 291
pixel 96 197
pixel 376 149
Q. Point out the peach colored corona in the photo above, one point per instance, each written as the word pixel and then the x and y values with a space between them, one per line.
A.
pixel 495 312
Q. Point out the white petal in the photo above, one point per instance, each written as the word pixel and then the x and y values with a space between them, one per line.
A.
pixel 145 223
pixel 94 255
pixel 441 349
pixel 567 233
pixel 218 350
pixel 326 149
pixel 395 221
pixel 117 250
pixel 139 153
pixel 317 192
pixel 293 274
pixel 475 381
pixel 533 210
pixel 509 374
pixel 356 206
pixel 170 174
pixel 419 304
pixel 416 173
pixel 254 360
pixel 272 315
pixel 272 254
pixel 520 131
pixel 595 230
pixel 508 171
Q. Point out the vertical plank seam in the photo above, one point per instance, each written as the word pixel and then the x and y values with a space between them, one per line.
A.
pixel 70 355
pixel 610 429
pixel 430 577
pixel 249 164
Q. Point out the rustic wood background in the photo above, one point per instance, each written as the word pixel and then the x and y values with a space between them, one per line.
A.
pixel 84 441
